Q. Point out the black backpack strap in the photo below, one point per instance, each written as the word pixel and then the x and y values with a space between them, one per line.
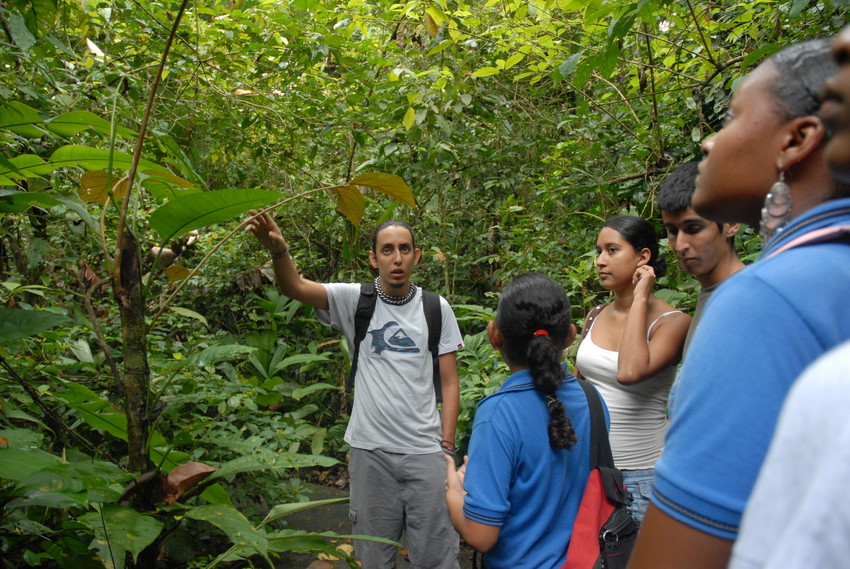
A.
pixel 434 320
pixel 362 317
pixel 600 448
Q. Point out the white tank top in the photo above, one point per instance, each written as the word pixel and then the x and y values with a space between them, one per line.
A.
pixel 638 411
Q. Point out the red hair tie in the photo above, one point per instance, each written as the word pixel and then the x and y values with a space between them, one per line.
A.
pixel 541 333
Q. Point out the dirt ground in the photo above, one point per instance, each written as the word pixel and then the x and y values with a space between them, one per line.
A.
pixel 335 518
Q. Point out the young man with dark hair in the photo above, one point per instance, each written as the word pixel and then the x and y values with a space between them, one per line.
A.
pixel 704 249
pixel 396 432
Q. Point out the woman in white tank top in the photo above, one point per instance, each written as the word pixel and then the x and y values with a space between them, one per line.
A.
pixel 629 350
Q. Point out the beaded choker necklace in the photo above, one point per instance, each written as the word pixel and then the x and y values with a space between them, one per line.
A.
pixel 396 300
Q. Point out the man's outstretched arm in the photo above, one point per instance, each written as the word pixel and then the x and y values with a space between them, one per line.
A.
pixel 290 281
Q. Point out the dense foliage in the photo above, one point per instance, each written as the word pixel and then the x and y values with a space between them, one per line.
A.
pixel 160 399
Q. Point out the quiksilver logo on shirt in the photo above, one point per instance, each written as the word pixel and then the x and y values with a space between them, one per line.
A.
pixel 392 338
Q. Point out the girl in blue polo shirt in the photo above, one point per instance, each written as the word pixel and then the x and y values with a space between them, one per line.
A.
pixel 519 490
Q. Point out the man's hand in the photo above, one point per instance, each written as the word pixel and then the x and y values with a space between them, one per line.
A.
pixel 267 232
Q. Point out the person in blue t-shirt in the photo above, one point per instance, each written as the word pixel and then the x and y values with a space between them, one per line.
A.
pixel 766 323
pixel 516 497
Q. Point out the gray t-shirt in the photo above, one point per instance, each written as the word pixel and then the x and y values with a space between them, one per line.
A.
pixel 702 300
pixel 395 409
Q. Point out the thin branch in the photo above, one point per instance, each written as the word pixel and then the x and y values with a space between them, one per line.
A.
pixel 137 153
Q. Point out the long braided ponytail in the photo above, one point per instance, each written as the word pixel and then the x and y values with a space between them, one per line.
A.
pixel 534 319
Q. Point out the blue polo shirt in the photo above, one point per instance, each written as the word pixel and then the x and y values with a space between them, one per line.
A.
pixel 761 328
pixel 515 479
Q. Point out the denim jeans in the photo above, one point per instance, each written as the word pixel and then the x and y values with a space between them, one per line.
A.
pixel 639 484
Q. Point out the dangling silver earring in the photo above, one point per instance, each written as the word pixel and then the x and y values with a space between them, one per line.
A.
pixel 777 208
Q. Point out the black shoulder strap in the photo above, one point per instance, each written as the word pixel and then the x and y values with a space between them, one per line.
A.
pixel 600 447
pixel 362 317
pixel 434 320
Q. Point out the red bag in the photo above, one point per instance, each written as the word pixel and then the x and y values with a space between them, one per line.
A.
pixel 604 530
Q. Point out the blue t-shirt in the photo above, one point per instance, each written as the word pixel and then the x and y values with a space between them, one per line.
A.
pixel 515 479
pixel 761 328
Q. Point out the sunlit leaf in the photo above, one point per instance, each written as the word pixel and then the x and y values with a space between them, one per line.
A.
pixel 187 212
pixel 16 323
pixel 430 25
pixel 22 167
pixel 21 119
pixel 513 60
pixel 188 313
pixel 74 122
pixel 485 72
pixel 97 158
pixel 350 202
pixel 390 184
pixel 220 352
pixel 176 273
pixel 409 118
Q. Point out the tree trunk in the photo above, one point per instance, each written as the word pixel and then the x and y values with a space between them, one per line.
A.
pixel 128 293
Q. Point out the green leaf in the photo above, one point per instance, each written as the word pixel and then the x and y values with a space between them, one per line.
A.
pixel 300 392
pixel 74 122
pixel 97 159
pixel 300 359
pixel 12 201
pixel 189 313
pixel 23 37
pixel 409 118
pixel 237 527
pixel 22 167
pixel 123 529
pixel 797 7
pixel 390 184
pixel 224 352
pixel 21 119
pixel 19 463
pixel 76 205
pixel 16 323
pixel 569 65
pixel 185 213
pixel 282 510
pixel 485 72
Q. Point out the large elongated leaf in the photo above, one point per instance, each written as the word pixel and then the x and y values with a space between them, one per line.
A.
pixel 22 167
pixel 20 119
pixel 97 158
pixel 185 213
pixel 237 527
pixel 74 122
pixel 282 510
pixel 390 184
pixel 21 463
pixel 16 324
pixel 18 202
